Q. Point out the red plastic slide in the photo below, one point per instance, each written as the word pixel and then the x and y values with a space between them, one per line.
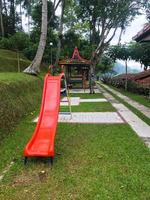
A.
pixel 42 141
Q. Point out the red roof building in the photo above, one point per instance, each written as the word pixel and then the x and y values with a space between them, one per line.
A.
pixel 77 70
pixel 143 78
pixel 143 35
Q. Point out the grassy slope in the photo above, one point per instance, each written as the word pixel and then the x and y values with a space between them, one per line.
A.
pixel 8 61
pixel 19 95
pixel 92 162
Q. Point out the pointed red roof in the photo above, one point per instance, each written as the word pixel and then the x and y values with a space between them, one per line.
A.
pixel 75 59
pixel 76 54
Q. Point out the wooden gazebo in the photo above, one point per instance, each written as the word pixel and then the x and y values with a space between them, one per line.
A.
pixel 77 70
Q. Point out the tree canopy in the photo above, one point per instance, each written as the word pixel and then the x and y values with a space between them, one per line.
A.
pixel 89 24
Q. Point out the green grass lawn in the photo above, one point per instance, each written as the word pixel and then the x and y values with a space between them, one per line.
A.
pixel 90 107
pixel 88 96
pixel 92 162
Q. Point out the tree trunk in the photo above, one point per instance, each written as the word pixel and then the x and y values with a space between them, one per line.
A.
pixel 18 60
pixel 60 33
pixel 126 80
pixel 120 36
pixel 34 68
pixel 1 19
pixel 21 14
pixel 12 16
pixel 95 59
pixel 149 93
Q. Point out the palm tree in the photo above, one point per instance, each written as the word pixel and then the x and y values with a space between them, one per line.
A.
pixel 60 32
pixel 1 19
pixel 34 67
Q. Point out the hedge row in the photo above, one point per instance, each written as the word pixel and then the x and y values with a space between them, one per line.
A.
pixel 19 95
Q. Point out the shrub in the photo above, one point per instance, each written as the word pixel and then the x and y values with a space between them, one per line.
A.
pixel 19 41
pixel 30 51
pixel 4 43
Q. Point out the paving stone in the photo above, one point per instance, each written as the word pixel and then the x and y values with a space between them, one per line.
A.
pixel 75 101
pixel 145 110
pixel 82 91
pixel 93 100
pixel 89 117
pixel 139 126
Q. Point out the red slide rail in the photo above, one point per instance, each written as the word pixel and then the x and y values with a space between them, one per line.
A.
pixel 42 141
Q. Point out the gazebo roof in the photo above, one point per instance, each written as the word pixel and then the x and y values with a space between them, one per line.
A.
pixel 76 59
pixel 143 35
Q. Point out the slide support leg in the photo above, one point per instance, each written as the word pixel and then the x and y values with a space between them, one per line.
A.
pixel 25 160
pixel 51 160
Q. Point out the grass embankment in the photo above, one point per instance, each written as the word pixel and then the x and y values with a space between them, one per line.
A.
pixel 133 109
pixel 19 95
pixel 9 61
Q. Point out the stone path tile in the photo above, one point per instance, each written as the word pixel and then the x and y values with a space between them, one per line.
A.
pixel 90 117
pixel 75 101
pixel 83 91
pixel 145 110
pixel 93 100
pixel 140 127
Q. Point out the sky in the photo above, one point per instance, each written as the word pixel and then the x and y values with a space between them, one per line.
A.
pixel 130 32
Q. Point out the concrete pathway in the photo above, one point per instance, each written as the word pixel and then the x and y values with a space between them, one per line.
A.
pixel 87 91
pixel 90 117
pixel 75 101
pixel 140 127
pixel 143 109
pixel 93 100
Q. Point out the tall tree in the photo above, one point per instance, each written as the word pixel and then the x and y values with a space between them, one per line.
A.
pixel 1 19
pixel 47 17
pixel 121 52
pixel 105 17
pixel 34 68
pixel 60 34
pixel 12 19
